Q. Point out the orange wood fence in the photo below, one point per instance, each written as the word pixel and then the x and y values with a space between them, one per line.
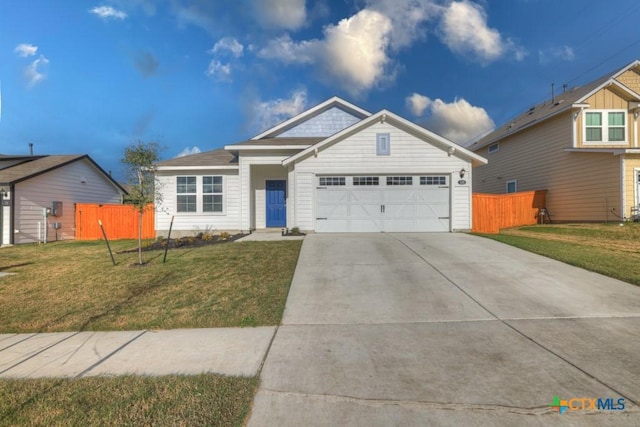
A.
pixel 119 221
pixel 491 212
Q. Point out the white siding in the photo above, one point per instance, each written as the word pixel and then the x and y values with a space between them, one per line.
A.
pixel 65 185
pixel 192 222
pixel 356 154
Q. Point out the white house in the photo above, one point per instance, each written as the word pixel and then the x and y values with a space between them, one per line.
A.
pixel 332 168
pixel 39 193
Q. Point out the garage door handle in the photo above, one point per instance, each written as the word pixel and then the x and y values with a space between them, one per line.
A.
pixel 321 218
pixel 382 208
pixel 444 217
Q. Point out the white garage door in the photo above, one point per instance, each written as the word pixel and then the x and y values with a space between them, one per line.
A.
pixel 383 203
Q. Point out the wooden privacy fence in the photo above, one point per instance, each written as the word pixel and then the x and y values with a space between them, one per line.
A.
pixel 119 221
pixel 491 212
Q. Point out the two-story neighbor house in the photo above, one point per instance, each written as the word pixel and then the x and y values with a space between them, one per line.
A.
pixel 332 168
pixel 581 146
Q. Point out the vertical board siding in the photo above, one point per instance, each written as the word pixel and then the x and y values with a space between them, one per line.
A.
pixel 119 221
pixel 491 212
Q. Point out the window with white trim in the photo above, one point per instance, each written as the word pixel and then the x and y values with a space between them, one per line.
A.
pixel 186 190
pixel 433 180
pixel 512 186
pixel 366 180
pixel 399 180
pixel 605 126
pixel 212 194
pixel 332 180
pixel 383 144
pixel 493 148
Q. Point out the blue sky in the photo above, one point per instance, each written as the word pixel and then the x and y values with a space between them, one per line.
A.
pixel 193 75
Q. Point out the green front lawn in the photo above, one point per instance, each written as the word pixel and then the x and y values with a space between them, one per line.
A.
pixel 70 286
pixel 609 249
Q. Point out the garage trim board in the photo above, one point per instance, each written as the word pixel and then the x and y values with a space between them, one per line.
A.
pixel 383 203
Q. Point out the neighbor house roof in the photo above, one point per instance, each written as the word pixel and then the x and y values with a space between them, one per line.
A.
pixel 214 158
pixel 558 104
pixel 43 164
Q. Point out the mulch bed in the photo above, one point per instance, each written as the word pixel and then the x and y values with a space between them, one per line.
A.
pixel 187 242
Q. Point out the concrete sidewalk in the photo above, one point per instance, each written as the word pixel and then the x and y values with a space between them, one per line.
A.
pixel 226 351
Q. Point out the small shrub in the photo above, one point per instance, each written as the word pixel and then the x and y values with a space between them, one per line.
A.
pixel 224 235
pixel 295 231
pixel 207 237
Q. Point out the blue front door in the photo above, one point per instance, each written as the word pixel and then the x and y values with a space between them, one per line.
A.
pixel 276 203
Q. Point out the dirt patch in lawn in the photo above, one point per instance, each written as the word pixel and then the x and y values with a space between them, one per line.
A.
pixel 188 242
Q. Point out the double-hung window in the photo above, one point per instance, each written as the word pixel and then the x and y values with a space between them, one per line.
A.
pixel 212 194
pixel 606 126
pixel 186 194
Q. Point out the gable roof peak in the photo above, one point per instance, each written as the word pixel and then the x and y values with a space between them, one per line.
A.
pixel 334 101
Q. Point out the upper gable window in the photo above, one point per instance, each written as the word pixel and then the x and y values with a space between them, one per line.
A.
pixel 383 144
pixel 493 148
pixel 605 126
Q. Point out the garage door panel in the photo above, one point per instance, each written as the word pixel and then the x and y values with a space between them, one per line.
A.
pixel 393 208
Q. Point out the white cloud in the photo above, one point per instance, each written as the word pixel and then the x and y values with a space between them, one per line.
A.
pixel 288 51
pixel 24 50
pixel 560 53
pixel 408 18
pixel 219 71
pixel 188 151
pixel 280 14
pixel 108 12
pixel 417 103
pixel 353 53
pixel 228 44
pixel 465 31
pixel 33 72
pixel 458 121
pixel 266 114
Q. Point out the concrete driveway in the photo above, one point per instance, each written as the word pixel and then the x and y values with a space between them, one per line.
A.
pixel 447 329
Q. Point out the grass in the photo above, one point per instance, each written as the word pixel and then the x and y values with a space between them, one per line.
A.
pixel 72 285
pixel 158 401
pixel 608 249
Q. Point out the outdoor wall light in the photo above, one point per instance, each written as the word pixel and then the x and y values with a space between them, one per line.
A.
pixel 462 172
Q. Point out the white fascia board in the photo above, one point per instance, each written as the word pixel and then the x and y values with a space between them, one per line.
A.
pixel 264 147
pixel 386 116
pixel 310 112
pixel 613 151
pixel 191 168
pixel 611 82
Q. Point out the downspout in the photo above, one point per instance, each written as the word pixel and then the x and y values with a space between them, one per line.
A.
pixel 12 214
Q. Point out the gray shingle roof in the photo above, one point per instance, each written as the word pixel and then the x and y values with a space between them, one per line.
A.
pixel 303 141
pixel 37 166
pixel 561 102
pixel 220 157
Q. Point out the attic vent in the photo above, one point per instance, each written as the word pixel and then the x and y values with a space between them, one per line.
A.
pixel 532 109
pixel 558 102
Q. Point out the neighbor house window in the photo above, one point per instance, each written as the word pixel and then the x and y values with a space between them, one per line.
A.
pixel 512 186
pixel 212 194
pixel 604 126
pixel 186 191
pixel 383 144
pixel 399 180
pixel 433 180
pixel 366 180
pixel 332 180
pixel 493 148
